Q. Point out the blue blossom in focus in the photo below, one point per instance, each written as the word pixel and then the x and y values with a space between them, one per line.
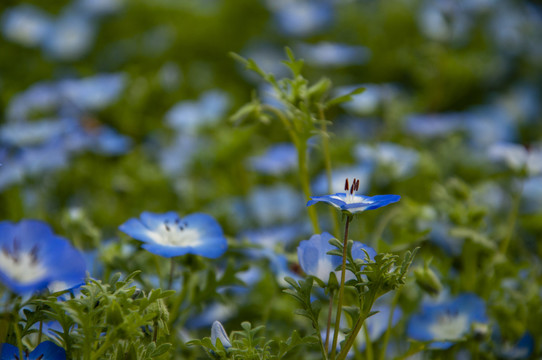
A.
pixel 277 160
pixel 447 321
pixel 189 115
pixel 351 203
pixel 33 258
pixel 168 235
pixel 47 350
pixel 25 24
pixel 333 54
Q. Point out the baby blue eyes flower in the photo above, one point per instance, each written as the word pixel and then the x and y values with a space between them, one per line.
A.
pixel 447 321
pixel 168 235
pixel 33 258
pixel 351 203
pixel 47 350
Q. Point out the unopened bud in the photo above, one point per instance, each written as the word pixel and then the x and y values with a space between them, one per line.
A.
pixel 218 332
pixel 428 280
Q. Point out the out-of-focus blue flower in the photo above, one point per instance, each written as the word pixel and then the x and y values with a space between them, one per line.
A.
pixel 447 321
pixel 314 258
pixel 24 133
pixel 33 258
pixel 268 57
pixel 47 350
pixel 171 162
pixel 168 235
pixel 110 142
pixel 275 204
pixel 434 125
pixel 25 24
pixel 302 18
pixel 98 7
pixel 369 100
pixel 270 237
pixel 333 54
pixel 92 93
pixel 521 349
pixel 531 196
pixel 218 332
pixel 170 76
pixel 211 313
pixel 486 125
pixel 362 173
pixel 70 37
pixel 42 96
pixel 445 20
pixel 351 203
pixel 378 323
pixel 400 161
pixel 517 157
pixel 277 160
pixel 189 116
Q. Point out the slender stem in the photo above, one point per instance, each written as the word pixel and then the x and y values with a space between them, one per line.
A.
pixel 512 219
pixel 368 344
pixel 155 332
pixel 17 331
pixel 341 289
pixel 327 164
pixel 329 313
pixel 102 349
pixel 305 183
pixel 171 271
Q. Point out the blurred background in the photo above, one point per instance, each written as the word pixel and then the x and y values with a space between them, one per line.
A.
pixel 109 108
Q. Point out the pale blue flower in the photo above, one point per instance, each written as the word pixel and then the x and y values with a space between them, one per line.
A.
pixel 303 18
pixel 277 160
pixel 351 203
pixel 70 37
pixel 274 204
pixel 168 235
pixel 399 161
pixel 218 332
pixel 448 321
pixel 434 125
pixel 25 24
pixel 333 54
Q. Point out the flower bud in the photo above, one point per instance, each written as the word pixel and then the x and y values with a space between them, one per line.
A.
pixel 428 280
pixel 218 332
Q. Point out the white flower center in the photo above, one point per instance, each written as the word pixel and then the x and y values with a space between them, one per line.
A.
pixel 177 233
pixel 450 326
pixel 23 267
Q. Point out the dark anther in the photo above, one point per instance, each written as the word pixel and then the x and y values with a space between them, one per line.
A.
pixel 181 227
pixel 27 353
pixel 6 251
pixel 15 246
pixel 40 357
pixel 16 357
pixel 357 185
pixel 346 187
pixel 34 253
pixel 185 224
pixel 177 220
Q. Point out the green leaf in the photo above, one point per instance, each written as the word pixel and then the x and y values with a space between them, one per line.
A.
pixel 344 98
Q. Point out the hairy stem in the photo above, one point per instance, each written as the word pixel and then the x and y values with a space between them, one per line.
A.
pixel 341 289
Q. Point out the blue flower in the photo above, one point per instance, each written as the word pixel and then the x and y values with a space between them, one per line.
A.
pixel 302 18
pixel 277 160
pixel 168 235
pixel 351 203
pixel 47 350
pixel 33 258
pixel 334 54
pixel 447 321
pixel 314 258
pixel 218 332
pixel 378 323
pixel 25 24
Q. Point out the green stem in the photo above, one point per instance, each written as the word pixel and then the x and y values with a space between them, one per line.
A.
pixel 171 271
pixel 368 344
pixel 40 332
pixel 329 314
pixel 367 306
pixel 341 290
pixel 305 183
pixel 512 219
pixel 174 314
pixel 102 349
pixel 327 164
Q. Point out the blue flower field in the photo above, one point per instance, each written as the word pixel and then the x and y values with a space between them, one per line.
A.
pixel 270 179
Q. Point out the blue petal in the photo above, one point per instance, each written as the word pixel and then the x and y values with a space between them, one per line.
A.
pixel 8 352
pixel 49 350
pixel 137 230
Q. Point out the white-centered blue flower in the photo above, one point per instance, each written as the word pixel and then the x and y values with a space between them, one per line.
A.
pixel 33 258
pixel 351 203
pixel 168 235
pixel 448 321
pixel 47 350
